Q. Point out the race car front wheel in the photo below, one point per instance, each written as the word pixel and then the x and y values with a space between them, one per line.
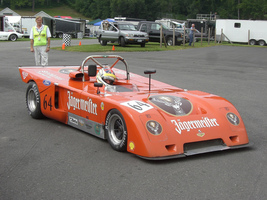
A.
pixel 33 101
pixel 116 131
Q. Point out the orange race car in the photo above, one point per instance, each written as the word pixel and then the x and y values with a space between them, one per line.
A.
pixel 145 117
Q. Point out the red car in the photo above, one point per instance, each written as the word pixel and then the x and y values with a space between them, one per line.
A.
pixel 145 117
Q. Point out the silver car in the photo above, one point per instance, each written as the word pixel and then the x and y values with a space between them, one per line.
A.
pixel 122 33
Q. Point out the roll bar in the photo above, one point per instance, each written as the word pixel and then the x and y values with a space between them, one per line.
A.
pixel 93 58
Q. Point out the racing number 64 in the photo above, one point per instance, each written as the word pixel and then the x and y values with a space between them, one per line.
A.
pixel 47 103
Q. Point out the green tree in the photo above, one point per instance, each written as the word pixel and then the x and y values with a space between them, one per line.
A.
pixel 253 9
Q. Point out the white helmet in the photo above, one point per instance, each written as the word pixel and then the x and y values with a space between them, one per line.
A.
pixel 106 76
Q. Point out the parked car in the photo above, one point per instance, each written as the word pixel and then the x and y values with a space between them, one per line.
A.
pixel 153 31
pixel 183 32
pixel 121 32
pixel 13 36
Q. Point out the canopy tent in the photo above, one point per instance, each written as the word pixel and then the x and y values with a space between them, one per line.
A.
pixel 94 21
pixel 98 23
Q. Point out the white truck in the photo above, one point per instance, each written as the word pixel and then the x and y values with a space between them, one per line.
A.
pixel 7 31
pixel 178 24
pixel 242 31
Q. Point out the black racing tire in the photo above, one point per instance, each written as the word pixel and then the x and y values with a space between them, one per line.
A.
pixel 116 131
pixel 102 42
pixel 13 37
pixel 122 41
pixel 33 101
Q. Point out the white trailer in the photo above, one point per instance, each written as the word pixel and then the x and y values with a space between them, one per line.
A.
pixel 242 31
pixel 26 24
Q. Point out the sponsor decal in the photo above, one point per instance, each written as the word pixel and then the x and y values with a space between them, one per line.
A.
pixel 138 106
pixel 194 124
pixel 24 75
pixel 200 134
pixel 97 129
pixel 81 104
pixel 233 119
pixel 49 74
pixel 73 120
pixel 154 127
pixel 81 122
pixel 46 82
pixel 132 146
pixel 67 70
pixel 88 125
pixel 173 105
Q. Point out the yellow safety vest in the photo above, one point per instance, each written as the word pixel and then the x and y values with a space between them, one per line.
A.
pixel 39 37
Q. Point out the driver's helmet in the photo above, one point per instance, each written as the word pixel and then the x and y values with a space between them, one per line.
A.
pixel 106 76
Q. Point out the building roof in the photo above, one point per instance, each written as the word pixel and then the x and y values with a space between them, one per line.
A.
pixel 42 14
pixel 9 12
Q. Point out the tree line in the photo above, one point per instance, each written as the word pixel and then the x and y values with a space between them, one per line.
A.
pixel 154 9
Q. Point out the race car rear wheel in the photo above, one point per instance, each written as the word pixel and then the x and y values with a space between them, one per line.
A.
pixel 33 101
pixel 116 130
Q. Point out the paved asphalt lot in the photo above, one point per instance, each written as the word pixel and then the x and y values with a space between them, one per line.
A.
pixel 44 159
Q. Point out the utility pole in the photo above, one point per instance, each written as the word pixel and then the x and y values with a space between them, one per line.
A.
pixel 238 9
pixel 33 4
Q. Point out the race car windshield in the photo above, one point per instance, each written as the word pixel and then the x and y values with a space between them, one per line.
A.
pixel 121 88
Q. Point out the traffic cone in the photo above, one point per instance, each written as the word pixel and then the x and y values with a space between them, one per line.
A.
pixel 63 46
pixel 80 43
pixel 113 48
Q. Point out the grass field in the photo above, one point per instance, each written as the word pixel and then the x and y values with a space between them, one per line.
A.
pixel 151 46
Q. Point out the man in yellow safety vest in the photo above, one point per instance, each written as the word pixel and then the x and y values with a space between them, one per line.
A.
pixel 40 42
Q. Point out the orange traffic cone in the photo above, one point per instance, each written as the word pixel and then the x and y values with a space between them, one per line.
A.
pixel 113 48
pixel 80 43
pixel 63 46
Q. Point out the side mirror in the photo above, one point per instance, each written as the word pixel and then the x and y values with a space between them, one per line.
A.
pixel 92 69
pixel 98 85
pixel 150 71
